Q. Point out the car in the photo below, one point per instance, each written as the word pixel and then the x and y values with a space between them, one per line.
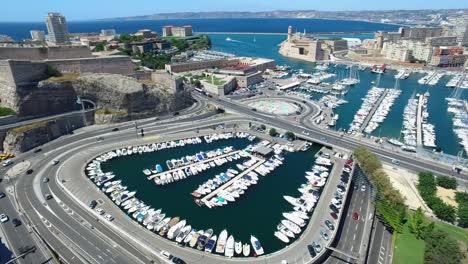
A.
pixel 317 246
pixel 92 204
pixel 329 225
pixel 100 211
pixel 30 171
pixel 2 194
pixel 333 208
pixel 176 113
pixel 109 217
pixel 3 218
pixel 324 235
pixel 45 180
pixel 355 216
pixel 333 215
pixel 348 170
pixel 16 222
pixel 395 161
pixel 37 150
pixel 305 133
pixel 100 139
pixel 311 250
pixel 284 261
pixel 254 109
pixel 55 162
pixel 48 196
pixel 166 254
pixel 363 188
pixel 177 260
pixel 7 162
pixel 115 129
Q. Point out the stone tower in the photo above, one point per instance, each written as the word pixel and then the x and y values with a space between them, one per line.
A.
pixel 290 32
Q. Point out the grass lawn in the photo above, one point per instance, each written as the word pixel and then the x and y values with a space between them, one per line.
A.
pixel 5 111
pixel 215 80
pixel 408 249
pixel 458 233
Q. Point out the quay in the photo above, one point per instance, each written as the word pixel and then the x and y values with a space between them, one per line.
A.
pixel 419 121
pixel 371 113
pixel 193 164
pixel 259 162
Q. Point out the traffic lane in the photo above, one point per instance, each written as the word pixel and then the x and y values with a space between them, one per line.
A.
pixel 18 236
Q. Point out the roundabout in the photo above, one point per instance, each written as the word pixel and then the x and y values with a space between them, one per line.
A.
pixel 275 106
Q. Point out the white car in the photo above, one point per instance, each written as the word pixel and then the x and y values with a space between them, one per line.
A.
pixel 55 162
pixel 363 188
pixel 165 254
pixel 100 211
pixel 3 218
pixel 109 217
pixel 7 163
pixel 305 133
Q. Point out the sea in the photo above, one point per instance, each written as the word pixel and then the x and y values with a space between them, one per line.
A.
pixel 247 43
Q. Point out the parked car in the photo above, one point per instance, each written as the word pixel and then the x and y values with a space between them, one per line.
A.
pixel 317 246
pixel 333 208
pixel 100 211
pixel 363 188
pixel 355 216
pixel 324 235
pixel 2 194
pixel 92 204
pixel 109 217
pixel 16 222
pixel 37 150
pixel 3 218
pixel 166 254
pixel 329 224
pixel 333 215
pixel 177 260
pixel 311 250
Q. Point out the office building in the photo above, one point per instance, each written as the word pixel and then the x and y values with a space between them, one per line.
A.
pixel 460 30
pixel 57 28
pixel 37 35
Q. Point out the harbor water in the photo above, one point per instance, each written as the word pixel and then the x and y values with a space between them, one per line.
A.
pixel 267 46
pixel 256 213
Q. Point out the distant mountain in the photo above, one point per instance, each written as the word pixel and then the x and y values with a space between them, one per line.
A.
pixel 388 16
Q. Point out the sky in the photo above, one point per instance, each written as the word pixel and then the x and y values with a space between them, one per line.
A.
pixel 36 10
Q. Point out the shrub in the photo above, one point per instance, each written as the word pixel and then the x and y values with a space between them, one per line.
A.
pixel 447 182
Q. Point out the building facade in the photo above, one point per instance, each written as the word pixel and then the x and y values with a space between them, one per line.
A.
pixel 395 51
pixel 37 35
pixel 461 29
pixel 57 28
pixel 171 31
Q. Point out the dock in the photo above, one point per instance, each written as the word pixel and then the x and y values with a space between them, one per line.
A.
pixel 372 112
pixel 419 121
pixel 229 183
pixel 193 164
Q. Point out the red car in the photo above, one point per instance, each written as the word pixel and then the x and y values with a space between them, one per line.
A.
pixel 349 162
pixel 333 215
pixel 356 216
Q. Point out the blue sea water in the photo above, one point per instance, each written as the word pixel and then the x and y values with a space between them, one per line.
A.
pixel 19 31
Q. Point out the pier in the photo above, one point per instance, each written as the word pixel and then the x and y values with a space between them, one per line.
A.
pixel 193 164
pixel 374 108
pixel 229 183
pixel 419 121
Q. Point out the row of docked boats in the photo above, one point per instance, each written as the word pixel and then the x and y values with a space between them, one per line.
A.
pixel 371 98
pixel 206 161
pixel 455 81
pixel 431 78
pixel 402 74
pixel 172 228
pixel 219 136
pixel 409 124
pixel 382 110
pixel 294 221
pixel 235 187
pixel 459 109
pixel 428 129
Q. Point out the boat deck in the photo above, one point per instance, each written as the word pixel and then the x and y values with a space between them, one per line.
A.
pixel 419 121
pixel 372 112
pixel 193 164
pixel 259 162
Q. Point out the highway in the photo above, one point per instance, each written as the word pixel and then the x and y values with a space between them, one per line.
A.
pixel 81 237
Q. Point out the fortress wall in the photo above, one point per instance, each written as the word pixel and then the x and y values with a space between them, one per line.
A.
pixel 113 65
pixel 44 53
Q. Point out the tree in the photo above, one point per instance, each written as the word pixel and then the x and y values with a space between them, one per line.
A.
pixel 447 182
pixel 262 127
pixel 272 132
pixel 441 248
pixel 180 44
pixel 101 46
pixel 462 200
pixel 418 225
pixel 290 135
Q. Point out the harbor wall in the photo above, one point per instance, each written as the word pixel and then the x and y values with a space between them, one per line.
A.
pixel 44 53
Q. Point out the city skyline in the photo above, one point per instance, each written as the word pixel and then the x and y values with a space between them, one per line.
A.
pixel 36 11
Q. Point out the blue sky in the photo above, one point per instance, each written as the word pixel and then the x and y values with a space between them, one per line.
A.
pixel 35 10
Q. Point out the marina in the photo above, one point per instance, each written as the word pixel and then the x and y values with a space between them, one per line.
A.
pixel 187 223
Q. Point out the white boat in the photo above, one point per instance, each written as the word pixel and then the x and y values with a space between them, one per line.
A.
pixel 246 250
pixel 238 247
pixel 174 230
pixel 291 226
pixel 229 252
pixel 222 242
pixel 256 246
pixel 211 244
pixel 281 237
pixel 183 233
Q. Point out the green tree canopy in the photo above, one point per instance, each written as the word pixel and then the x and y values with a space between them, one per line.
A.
pixel 290 135
pixel 272 132
pixel 441 249
pixel 418 225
